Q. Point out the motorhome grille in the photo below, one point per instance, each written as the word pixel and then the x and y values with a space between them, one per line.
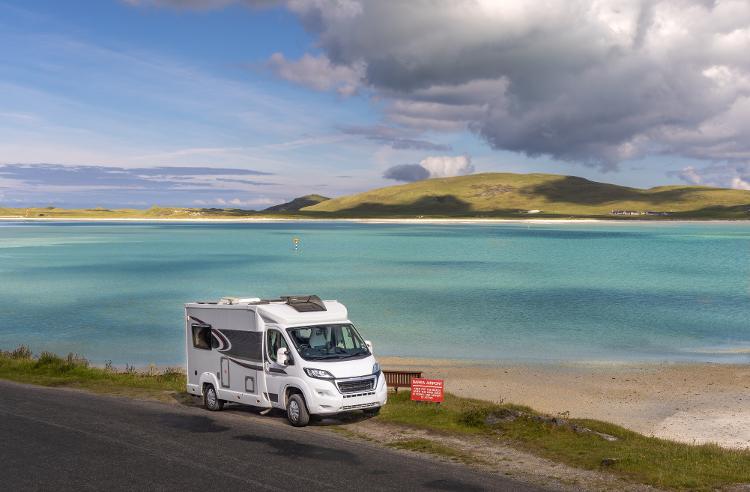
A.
pixel 361 405
pixel 357 395
pixel 356 385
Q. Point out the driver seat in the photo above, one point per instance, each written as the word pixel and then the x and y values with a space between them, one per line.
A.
pixel 318 340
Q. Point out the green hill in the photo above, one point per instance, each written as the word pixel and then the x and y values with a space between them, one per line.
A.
pixel 298 203
pixel 515 195
pixel 503 195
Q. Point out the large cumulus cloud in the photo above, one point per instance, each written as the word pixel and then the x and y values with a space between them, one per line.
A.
pixel 591 81
pixel 594 81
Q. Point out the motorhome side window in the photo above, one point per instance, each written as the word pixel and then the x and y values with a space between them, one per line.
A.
pixel 274 341
pixel 201 336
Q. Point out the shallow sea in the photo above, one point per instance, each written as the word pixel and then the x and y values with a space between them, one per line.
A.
pixel 511 292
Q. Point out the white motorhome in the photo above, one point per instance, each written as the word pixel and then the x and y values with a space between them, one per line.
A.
pixel 296 353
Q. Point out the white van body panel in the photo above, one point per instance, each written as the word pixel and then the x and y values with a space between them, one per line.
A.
pixel 238 365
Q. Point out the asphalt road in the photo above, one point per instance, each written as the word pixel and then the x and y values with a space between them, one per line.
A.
pixel 71 440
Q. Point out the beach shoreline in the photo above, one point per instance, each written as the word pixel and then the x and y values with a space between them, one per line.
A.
pixel 694 403
pixel 428 221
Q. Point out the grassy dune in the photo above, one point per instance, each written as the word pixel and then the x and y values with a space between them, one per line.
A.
pixel 127 213
pixel 587 444
pixel 513 195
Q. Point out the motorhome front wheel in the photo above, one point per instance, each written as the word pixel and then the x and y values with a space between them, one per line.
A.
pixel 296 411
pixel 211 400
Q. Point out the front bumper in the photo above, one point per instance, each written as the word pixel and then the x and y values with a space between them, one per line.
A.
pixel 328 400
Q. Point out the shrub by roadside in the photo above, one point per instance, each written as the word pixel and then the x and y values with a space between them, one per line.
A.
pixel 73 370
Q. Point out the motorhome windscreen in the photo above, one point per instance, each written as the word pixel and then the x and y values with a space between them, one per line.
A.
pixel 325 342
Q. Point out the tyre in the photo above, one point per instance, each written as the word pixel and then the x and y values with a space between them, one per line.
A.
pixel 211 399
pixel 372 412
pixel 296 411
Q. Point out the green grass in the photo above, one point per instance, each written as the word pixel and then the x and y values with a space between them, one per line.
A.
pixel 431 447
pixel 74 371
pixel 636 457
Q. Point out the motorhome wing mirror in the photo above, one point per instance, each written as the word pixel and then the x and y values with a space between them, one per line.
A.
pixel 369 345
pixel 282 356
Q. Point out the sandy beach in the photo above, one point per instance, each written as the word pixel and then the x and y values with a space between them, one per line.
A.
pixel 693 403
pixel 436 221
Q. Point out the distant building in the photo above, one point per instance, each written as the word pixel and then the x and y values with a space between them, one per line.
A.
pixel 625 212
pixel 638 212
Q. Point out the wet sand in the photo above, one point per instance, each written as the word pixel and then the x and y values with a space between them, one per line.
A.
pixel 693 403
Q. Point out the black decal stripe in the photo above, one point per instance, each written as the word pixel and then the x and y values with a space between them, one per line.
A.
pixel 222 346
pixel 225 344
pixel 246 365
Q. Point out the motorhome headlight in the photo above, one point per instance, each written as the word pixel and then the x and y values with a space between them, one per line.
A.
pixel 376 368
pixel 318 373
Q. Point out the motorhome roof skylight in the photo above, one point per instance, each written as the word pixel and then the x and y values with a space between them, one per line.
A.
pixel 305 304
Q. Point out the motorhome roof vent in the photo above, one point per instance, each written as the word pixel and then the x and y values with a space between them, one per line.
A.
pixel 239 300
pixel 305 304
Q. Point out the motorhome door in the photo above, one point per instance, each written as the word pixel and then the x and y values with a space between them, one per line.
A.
pixel 224 372
pixel 276 374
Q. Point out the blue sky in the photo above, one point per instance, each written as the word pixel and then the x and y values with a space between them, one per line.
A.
pixel 305 97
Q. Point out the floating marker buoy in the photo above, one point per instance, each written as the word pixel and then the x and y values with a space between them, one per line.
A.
pixel 296 243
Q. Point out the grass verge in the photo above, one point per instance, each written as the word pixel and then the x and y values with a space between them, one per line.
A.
pixel 49 369
pixel 587 444
pixel 431 447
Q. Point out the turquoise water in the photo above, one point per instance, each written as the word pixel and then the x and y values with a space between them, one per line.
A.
pixel 513 292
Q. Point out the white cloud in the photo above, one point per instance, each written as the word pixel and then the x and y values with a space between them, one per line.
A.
pixel 447 166
pixel 690 175
pixel 317 72
pixel 722 175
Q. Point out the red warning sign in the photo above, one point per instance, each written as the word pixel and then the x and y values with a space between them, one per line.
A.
pixel 423 389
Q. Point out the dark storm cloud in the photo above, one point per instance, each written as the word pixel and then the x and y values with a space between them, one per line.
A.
pixel 584 81
pixel 406 172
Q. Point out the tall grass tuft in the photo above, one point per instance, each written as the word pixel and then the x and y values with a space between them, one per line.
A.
pixel 21 352
pixel 50 369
